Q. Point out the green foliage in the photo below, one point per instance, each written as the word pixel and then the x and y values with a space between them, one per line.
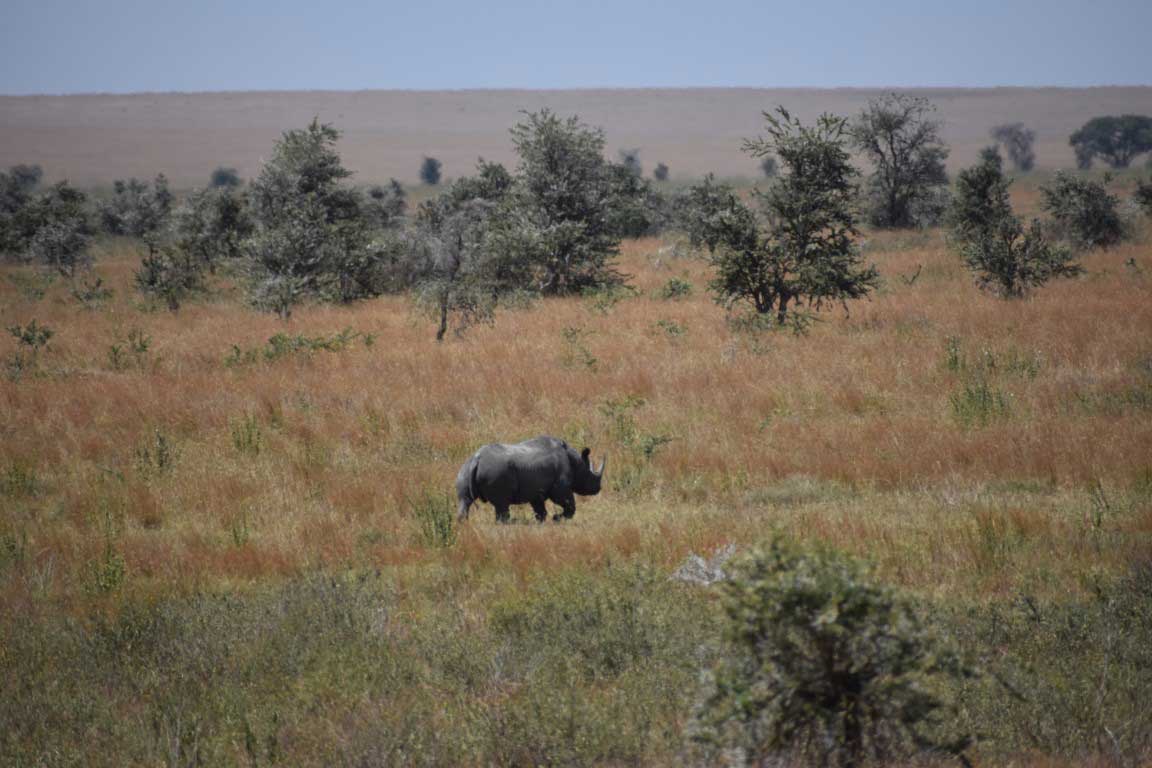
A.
pixel 224 177
pixel 387 205
pixel 822 665
pixel 310 239
pixel 56 231
pixel 714 216
pixel 670 328
pixel 978 403
pixel 211 225
pixel 131 350
pixel 980 200
pixel 282 345
pixel 908 185
pixel 31 340
pixel 157 455
pixel 808 254
pixel 93 294
pixel 136 208
pixel 1083 211
pixel 430 171
pixel 1115 139
pixel 675 289
pixel 769 167
pixel 1017 141
pixel 1010 260
pixel 247 436
pixel 561 204
pixel 576 352
pixel 17 187
pixel 435 515
pixel 1143 195
pixel 170 274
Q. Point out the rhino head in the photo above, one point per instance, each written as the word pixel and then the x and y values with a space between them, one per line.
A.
pixel 586 480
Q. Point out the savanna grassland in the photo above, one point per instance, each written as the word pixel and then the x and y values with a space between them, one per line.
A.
pixel 222 538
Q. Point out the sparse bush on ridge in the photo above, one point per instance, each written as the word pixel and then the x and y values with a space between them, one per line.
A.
pixel 1017 141
pixel 136 208
pixel 430 171
pixel 660 172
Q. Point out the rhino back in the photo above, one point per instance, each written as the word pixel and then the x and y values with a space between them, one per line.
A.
pixel 518 473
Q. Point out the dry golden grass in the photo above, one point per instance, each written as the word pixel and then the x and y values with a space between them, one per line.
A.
pixel 847 435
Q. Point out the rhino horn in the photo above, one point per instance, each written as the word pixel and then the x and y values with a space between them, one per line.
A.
pixel 600 471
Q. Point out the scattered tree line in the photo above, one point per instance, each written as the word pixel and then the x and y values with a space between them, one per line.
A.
pixel 300 231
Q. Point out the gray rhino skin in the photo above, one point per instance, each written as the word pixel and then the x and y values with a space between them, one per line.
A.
pixel 531 472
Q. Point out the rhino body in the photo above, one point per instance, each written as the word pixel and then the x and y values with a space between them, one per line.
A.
pixel 532 472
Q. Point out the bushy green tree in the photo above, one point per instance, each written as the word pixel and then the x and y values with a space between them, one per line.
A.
pixel 713 215
pixel 630 159
pixel 563 202
pixel 386 205
pixel 430 171
pixel 1115 139
pixel 169 273
pixel 137 208
pixel 1083 211
pixel 660 172
pixel 1017 141
pixel 980 199
pixel 310 239
pixel 908 185
pixel 822 665
pixel 1143 195
pixel 58 229
pixel 632 203
pixel 1010 260
pixel 212 225
pixel 807 255
pixel 17 187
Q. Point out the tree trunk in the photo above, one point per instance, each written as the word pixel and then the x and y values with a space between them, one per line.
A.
pixel 443 318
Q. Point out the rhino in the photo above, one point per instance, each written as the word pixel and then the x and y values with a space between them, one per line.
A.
pixel 531 472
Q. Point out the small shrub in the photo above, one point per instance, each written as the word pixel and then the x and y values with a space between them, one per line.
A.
pixel 660 172
pixel 129 351
pixel 1083 211
pixel 823 666
pixel 93 294
pixel 1143 196
pixel 170 274
pixel 630 159
pixel 978 403
pixel 676 289
pixel 1011 260
pixel 31 340
pixel 430 171
pixel 670 328
pixel 435 515
pixel 156 456
pixel 576 352
pixel 136 208
pixel 247 437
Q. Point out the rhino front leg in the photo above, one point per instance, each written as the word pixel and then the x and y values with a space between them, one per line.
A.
pixel 568 503
pixel 540 509
pixel 502 515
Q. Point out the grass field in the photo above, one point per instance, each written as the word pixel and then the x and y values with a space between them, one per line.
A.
pixel 221 547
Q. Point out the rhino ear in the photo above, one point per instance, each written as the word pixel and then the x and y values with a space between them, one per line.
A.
pixel 584 455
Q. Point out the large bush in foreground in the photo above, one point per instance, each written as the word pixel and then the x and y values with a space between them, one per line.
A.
pixel 822 665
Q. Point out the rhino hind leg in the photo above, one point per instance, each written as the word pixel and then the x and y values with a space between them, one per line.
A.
pixel 502 514
pixel 568 504
pixel 540 509
pixel 462 509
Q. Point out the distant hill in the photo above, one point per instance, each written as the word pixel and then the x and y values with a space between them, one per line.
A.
pixel 91 139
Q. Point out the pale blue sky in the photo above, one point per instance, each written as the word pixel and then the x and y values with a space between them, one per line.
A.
pixel 55 46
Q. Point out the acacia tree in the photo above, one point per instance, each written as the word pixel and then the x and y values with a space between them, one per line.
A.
pixel 1011 260
pixel 1116 139
pixel 1017 141
pixel 714 215
pixel 980 201
pixel 310 238
pixel 562 202
pixel 807 255
pixel 908 185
